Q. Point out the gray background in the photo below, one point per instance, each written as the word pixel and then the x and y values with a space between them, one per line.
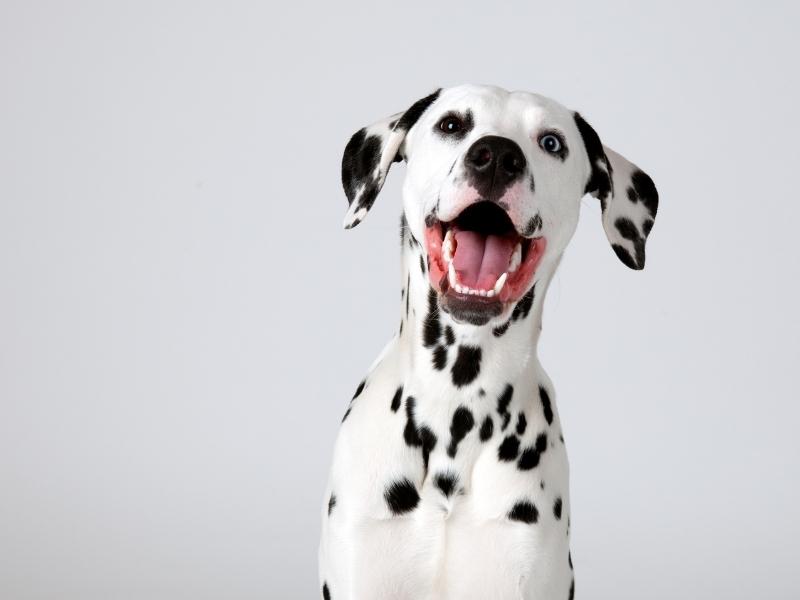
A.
pixel 183 320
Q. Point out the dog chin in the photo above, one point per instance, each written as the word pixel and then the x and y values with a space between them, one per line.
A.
pixel 470 310
pixel 480 265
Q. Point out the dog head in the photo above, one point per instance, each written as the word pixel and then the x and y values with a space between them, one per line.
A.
pixel 493 187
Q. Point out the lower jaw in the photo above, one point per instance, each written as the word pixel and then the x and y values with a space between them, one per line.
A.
pixel 469 309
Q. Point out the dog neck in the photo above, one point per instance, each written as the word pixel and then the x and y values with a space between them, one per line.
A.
pixel 436 349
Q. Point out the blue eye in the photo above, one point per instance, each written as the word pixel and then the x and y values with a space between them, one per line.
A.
pixel 550 143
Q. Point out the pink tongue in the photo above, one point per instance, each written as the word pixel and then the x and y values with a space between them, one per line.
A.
pixel 480 259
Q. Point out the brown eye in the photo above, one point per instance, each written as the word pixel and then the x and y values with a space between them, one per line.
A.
pixel 451 124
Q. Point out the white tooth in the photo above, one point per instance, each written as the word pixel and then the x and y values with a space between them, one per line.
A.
pixel 447 246
pixel 501 281
pixel 451 276
pixel 490 294
pixel 483 293
pixel 516 259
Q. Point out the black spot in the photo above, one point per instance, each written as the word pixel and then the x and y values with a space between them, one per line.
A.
pixel 533 225
pixel 461 425
pixel 326 594
pixel 416 436
pixel 523 307
pixel 625 256
pixel 413 114
pixel 646 191
pixel 361 157
pixel 408 295
pixel 501 329
pixel 508 449
pixel 431 327
pixel 541 484
pixel 522 423
pixel 532 455
pixel 422 264
pixel 331 504
pixel 467 365
pixel 346 413
pixel 628 230
pixel 525 512
pixel 569 558
pixel 449 336
pixel 398 396
pixel 547 406
pixel 502 404
pixel 487 429
pixel 401 496
pixel 557 506
pixel 600 184
pixel 439 358
pixel 428 441
pixel 411 433
pixel 571 591
pixel 506 421
pixel 529 459
pixel 446 482
pixel 531 183
pixel 359 389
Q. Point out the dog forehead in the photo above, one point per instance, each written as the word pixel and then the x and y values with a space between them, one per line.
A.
pixel 500 110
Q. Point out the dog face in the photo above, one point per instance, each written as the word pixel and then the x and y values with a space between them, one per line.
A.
pixel 493 187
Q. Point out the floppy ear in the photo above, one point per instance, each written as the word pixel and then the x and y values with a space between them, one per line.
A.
pixel 369 154
pixel 628 197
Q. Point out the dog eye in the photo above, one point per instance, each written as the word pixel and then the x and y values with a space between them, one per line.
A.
pixel 550 143
pixel 451 124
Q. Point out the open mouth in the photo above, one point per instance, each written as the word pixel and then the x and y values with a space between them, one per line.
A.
pixel 479 263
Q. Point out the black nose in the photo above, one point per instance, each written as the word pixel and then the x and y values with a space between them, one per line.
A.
pixel 493 163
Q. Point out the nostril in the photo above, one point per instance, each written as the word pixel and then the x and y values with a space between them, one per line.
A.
pixel 512 163
pixel 481 157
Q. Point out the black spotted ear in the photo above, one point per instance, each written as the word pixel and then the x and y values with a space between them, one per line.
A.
pixel 369 154
pixel 627 195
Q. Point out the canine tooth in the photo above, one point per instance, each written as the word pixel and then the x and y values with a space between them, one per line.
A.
pixel 501 281
pixel 516 259
pixel 490 294
pixel 447 246
pixel 451 276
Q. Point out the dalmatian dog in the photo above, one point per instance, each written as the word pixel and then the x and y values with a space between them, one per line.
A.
pixel 450 477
